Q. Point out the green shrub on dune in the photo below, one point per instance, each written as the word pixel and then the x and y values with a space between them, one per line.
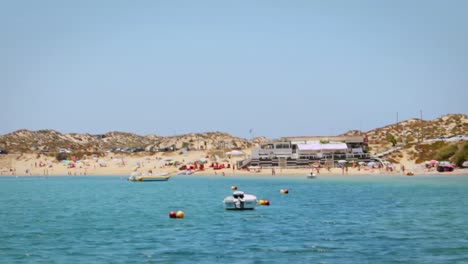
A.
pixel 461 156
pixel 447 152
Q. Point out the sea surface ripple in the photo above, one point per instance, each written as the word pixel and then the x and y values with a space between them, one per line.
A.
pixel 358 219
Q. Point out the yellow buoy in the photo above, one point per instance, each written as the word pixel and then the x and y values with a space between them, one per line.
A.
pixel 180 214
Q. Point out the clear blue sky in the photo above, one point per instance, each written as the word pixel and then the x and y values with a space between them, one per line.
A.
pixel 282 68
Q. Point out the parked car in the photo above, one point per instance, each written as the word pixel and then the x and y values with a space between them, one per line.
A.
pixel 64 150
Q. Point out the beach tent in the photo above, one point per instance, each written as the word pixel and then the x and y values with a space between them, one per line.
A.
pixel 465 164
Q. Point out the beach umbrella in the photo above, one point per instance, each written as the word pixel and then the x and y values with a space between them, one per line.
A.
pixel 433 162
pixel 342 161
pixel 371 163
pixel 465 164
pixel 361 163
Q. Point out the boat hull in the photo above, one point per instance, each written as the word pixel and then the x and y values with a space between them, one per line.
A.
pixel 149 178
pixel 161 178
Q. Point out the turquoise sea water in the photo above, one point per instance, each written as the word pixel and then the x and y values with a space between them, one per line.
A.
pixel 420 219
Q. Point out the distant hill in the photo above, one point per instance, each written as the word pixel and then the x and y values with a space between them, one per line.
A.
pixel 50 141
pixel 413 137
pixel 413 130
pixel 447 126
pixel 407 134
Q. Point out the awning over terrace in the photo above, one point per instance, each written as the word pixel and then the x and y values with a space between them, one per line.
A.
pixel 322 147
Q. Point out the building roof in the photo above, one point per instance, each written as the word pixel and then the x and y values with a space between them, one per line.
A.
pixel 347 139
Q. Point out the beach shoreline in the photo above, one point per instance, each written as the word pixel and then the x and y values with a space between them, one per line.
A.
pixel 123 165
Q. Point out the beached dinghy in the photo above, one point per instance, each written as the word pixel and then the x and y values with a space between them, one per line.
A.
pixel 240 201
pixel 149 177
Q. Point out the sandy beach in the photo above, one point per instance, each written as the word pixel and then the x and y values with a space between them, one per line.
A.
pixel 117 164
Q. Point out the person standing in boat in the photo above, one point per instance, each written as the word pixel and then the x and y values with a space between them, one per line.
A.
pixel 239 200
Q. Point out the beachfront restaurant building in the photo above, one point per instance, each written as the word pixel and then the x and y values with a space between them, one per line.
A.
pixel 304 151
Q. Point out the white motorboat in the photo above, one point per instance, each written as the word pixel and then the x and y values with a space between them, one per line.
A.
pixel 240 201
pixel 149 177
